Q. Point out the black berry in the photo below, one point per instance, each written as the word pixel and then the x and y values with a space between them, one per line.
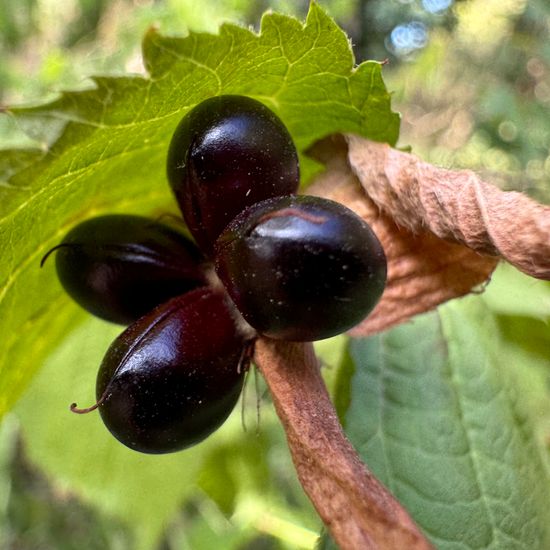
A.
pixel 301 268
pixel 120 267
pixel 227 153
pixel 172 378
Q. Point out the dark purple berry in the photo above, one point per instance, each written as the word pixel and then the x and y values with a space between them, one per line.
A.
pixel 119 267
pixel 301 268
pixel 172 378
pixel 227 153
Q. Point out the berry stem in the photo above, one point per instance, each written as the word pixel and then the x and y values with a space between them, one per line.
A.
pixel 74 407
pixel 57 247
pixel 356 508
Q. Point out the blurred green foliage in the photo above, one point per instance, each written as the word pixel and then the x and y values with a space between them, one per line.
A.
pixel 472 79
pixel 478 95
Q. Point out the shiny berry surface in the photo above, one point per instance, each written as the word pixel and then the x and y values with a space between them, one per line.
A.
pixel 172 378
pixel 119 267
pixel 301 268
pixel 227 153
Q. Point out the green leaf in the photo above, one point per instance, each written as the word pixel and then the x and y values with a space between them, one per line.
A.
pixel 15 160
pixel 234 468
pixel 341 394
pixel 35 514
pixel 443 420
pixel 511 292
pixel 106 150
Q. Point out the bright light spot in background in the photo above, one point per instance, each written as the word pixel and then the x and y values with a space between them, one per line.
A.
pixel 436 6
pixel 407 38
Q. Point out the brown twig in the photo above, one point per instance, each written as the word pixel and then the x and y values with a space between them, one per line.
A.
pixel 358 510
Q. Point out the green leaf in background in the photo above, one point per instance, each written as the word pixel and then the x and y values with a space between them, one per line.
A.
pixel 514 293
pixel 34 514
pixel 106 150
pixel 443 419
pixel 521 306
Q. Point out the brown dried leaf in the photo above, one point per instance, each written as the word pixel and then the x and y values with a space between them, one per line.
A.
pixel 455 205
pixel 358 510
pixel 423 269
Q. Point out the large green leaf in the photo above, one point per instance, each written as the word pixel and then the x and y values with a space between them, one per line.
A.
pixel 444 420
pixel 106 150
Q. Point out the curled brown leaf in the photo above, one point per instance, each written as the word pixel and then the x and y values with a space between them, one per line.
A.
pixel 455 205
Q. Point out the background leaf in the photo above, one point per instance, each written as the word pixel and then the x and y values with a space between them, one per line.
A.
pixel 513 293
pixel 444 420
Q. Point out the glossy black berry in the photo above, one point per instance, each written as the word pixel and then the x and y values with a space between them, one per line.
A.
pixel 119 267
pixel 172 378
pixel 301 268
pixel 227 153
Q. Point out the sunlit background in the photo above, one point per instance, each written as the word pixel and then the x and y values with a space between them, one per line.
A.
pixel 471 79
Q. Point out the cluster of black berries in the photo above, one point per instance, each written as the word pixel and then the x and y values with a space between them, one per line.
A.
pixel 268 261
